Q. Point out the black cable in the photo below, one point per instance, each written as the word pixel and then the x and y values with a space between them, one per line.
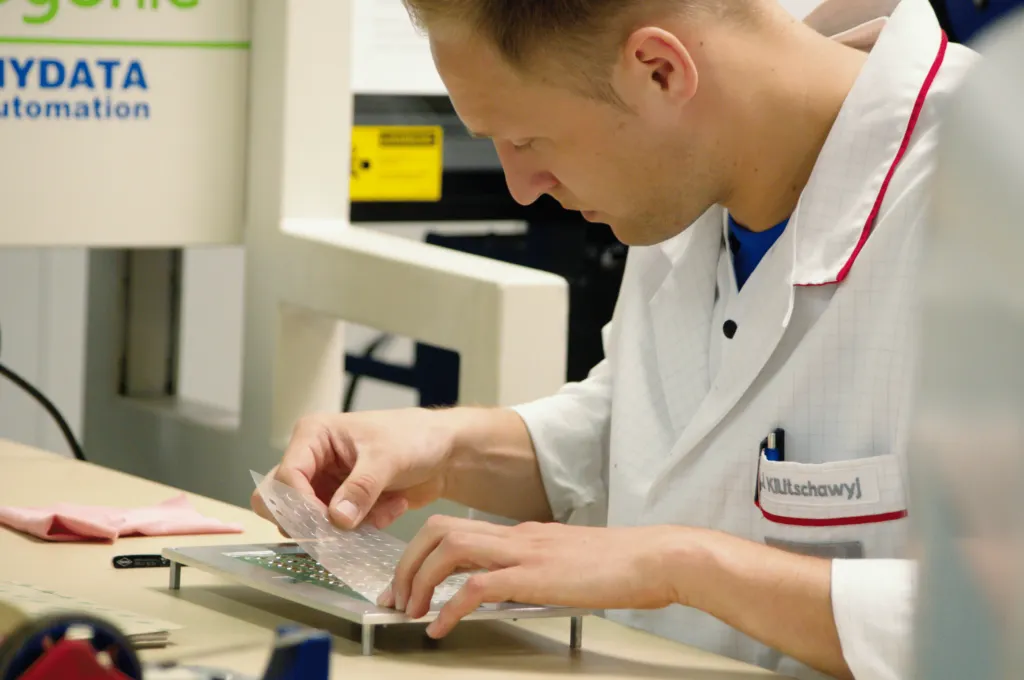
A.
pixel 350 391
pixel 25 385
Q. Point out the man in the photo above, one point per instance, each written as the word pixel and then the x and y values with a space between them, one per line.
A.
pixel 743 439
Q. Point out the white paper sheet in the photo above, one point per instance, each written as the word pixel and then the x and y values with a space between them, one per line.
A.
pixel 24 600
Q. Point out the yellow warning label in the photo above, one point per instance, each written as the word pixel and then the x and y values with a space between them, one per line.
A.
pixel 394 163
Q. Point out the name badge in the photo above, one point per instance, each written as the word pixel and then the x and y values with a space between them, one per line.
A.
pixel 858 491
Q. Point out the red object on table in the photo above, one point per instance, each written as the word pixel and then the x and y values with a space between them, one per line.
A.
pixel 70 522
pixel 71 660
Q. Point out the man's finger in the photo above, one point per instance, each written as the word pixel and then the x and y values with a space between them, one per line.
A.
pixel 359 492
pixel 294 478
pixel 261 509
pixel 256 500
pixel 424 543
pixel 455 551
pixel 493 587
pixel 387 598
pixel 386 512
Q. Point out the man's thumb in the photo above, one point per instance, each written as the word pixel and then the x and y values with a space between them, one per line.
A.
pixel 357 494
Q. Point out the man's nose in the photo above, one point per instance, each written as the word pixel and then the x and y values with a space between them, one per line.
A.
pixel 526 182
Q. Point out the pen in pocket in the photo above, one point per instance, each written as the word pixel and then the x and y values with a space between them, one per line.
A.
pixel 775 449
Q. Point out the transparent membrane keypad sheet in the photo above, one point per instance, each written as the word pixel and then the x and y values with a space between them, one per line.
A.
pixel 364 559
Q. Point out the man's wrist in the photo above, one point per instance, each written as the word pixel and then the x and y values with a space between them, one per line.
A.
pixel 452 425
pixel 491 465
pixel 690 563
pixel 470 432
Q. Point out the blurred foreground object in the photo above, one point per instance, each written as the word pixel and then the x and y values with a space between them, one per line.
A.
pixel 78 646
pixel 967 437
pixel 967 20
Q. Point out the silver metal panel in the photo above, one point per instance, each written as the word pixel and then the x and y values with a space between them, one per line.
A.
pixel 223 561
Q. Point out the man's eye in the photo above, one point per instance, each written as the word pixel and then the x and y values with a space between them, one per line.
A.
pixel 522 146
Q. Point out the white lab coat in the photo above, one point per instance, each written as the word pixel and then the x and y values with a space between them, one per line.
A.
pixel 667 428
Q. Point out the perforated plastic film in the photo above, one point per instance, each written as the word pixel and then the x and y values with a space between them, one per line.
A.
pixel 365 559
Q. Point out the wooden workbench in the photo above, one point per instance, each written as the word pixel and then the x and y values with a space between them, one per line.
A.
pixel 232 626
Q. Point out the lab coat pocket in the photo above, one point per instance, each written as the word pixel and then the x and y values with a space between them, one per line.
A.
pixel 843 493
pixel 843 509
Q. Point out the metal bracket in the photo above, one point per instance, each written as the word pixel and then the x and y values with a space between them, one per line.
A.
pixel 175 579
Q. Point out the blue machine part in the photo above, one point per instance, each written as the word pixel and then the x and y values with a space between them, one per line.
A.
pixel 300 654
pixel 965 19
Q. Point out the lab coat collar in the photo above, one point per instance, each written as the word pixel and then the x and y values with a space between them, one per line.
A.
pixel 827 231
pixel 684 285
pixel 847 20
pixel 841 201
pixel 831 219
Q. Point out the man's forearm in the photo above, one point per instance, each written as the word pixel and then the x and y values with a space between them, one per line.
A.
pixel 493 467
pixel 781 599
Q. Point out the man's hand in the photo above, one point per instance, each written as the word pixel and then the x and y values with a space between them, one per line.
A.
pixel 366 466
pixel 779 598
pixel 543 564
pixel 374 466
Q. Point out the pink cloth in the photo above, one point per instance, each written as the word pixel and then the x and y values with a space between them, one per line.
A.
pixel 65 522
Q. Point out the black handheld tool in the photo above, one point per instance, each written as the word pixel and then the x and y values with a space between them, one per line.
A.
pixel 140 561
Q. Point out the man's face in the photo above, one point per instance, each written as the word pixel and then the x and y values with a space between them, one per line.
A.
pixel 639 171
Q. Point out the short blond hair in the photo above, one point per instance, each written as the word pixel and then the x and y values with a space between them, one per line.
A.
pixel 586 33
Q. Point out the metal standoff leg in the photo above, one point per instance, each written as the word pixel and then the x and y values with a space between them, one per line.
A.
pixel 368 630
pixel 175 581
pixel 576 633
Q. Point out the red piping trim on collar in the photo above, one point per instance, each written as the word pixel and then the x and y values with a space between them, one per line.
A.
pixel 911 126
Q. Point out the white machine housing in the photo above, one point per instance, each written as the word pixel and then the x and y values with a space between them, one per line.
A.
pixel 248 143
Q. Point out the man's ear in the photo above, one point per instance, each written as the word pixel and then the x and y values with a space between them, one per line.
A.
pixel 654 61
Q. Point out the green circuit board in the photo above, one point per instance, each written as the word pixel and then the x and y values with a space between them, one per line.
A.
pixel 304 569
